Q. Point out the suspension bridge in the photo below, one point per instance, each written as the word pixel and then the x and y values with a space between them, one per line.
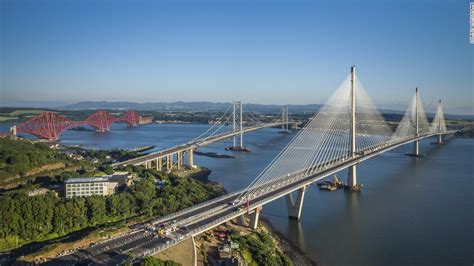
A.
pixel 50 125
pixel 345 132
pixel 234 123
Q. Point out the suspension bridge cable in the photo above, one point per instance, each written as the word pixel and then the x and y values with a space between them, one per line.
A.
pixel 210 128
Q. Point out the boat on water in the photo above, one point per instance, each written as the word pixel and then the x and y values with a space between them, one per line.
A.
pixel 331 185
pixel 237 149
pixel 327 187
pixel 213 154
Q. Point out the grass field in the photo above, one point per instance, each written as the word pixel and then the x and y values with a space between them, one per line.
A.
pixel 6 118
pixel 15 115
pixel 26 112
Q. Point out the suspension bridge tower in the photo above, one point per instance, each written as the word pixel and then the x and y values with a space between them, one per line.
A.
pixel 284 119
pixel 416 147
pixel 237 110
pixel 352 175
pixel 440 116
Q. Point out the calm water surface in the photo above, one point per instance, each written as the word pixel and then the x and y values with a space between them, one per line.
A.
pixel 412 211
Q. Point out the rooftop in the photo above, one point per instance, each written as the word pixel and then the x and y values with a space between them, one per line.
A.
pixel 86 180
pixel 120 173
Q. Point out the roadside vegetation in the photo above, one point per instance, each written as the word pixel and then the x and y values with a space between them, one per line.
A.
pixel 26 219
pixel 259 249
pixel 152 261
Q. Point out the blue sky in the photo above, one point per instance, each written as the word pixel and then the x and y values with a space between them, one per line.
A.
pixel 278 52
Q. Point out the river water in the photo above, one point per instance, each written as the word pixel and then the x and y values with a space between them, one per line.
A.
pixel 412 211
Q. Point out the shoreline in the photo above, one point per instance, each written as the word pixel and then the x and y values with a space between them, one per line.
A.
pixel 297 256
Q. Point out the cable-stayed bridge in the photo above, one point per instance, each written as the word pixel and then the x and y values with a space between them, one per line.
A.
pixel 345 132
pixel 234 123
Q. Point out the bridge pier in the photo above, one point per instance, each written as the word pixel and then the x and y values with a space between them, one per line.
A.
pixel 169 162
pixel 179 160
pixel 440 139
pixel 254 217
pixel 159 164
pixel 241 220
pixel 416 148
pixel 295 208
pixel 190 158
pixel 352 176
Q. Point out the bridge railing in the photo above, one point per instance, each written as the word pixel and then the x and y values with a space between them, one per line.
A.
pixel 191 233
pixel 194 207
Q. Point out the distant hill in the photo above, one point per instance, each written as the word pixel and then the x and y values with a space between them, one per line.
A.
pixel 212 106
pixel 184 106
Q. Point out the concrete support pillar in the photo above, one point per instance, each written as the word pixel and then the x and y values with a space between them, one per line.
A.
pixel 159 164
pixel 148 165
pixel 190 158
pixel 169 162
pixel 178 160
pixel 241 220
pixel 352 176
pixel 416 148
pixel 254 218
pixel 440 139
pixel 295 208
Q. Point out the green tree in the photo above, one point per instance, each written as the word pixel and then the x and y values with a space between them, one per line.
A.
pixel 145 193
pixel 152 261
pixel 96 210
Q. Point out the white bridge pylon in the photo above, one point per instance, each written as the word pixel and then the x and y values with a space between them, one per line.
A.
pixel 347 126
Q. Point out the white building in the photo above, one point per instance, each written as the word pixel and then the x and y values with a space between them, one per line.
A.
pixel 85 187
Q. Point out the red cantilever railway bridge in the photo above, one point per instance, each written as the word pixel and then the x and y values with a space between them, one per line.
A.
pixel 49 125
